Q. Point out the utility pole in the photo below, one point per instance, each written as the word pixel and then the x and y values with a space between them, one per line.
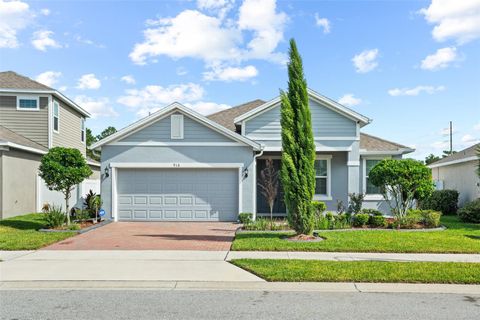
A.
pixel 451 148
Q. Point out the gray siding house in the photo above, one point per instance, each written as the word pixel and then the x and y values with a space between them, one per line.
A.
pixel 177 165
pixel 33 119
pixel 458 172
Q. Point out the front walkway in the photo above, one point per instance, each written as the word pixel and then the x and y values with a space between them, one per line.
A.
pixel 205 236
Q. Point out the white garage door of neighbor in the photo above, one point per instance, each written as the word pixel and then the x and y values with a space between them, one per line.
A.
pixel 177 194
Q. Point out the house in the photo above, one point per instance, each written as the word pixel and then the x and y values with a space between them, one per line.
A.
pixel 178 165
pixel 33 119
pixel 458 172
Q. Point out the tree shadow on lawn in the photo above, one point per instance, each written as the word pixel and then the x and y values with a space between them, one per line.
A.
pixel 472 237
pixel 22 224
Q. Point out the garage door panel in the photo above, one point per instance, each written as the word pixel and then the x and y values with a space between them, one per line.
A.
pixel 178 194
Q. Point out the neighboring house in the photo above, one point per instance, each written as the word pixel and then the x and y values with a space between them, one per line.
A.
pixel 179 165
pixel 459 172
pixel 33 119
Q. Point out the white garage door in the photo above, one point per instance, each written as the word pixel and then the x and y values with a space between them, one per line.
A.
pixel 177 194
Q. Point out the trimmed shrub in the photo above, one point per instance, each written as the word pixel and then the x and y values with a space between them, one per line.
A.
pixel 318 207
pixel 55 217
pixel 377 221
pixel 360 220
pixel 428 218
pixel 445 201
pixel 372 212
pixel 245 217
pixel 470 212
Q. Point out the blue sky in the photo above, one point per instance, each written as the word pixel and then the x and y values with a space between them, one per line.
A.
pixel 411 66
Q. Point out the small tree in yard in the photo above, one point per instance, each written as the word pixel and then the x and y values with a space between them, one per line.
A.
pixel 298 156
pixel 62 169
pixel 402 182
pixel 269 184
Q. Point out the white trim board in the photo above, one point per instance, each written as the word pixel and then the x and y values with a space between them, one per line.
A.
pixel 447 163
pixel 178 144
pixel 279 138
pixel 175 165
pixel 165 112
pixel 21 147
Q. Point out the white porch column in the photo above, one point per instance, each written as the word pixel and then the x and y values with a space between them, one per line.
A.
pixel 353 164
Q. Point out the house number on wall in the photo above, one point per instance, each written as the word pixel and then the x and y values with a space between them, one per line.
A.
pixel 176 165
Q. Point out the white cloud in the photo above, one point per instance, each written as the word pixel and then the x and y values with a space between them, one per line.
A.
pixel 98 107
pixel 414 91
pixel 89 42
pixel 349 100
pixel 220 7
pixel 440 59
pixel 153 97
pixel 323 23
pixel 477 127
pixel 213 39
pixel 43 39
pixel 365 61
pixel 49 78
pixel 440 145
pixel 14 16
pixel 231 73
pixel 88 81
pixel 181 71
pixel 63 88
pixel 207 108
pixel 45 12
pixel 468 138
pixel 459 20
pixel 129 79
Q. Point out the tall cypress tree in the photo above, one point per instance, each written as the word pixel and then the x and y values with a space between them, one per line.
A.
pixel 298 156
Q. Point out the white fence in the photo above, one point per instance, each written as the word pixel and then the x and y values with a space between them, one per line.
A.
pixel 44 195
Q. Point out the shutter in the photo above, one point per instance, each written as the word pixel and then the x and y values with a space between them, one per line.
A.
pixel 176 130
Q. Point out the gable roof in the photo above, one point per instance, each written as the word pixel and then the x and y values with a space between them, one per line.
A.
pixel 142 123
pixel 11 139
pixel 225 117
pixel 468 154
pixel 368 142
pixel 329 103
pixel 11 81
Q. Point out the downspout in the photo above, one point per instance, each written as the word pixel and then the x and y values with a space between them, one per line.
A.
pixel 262 148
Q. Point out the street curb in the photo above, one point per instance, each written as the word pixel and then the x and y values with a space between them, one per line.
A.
pixel 348 287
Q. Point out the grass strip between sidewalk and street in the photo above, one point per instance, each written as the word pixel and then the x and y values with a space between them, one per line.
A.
pixel 21 233
pixel 362 271
pixel 459 237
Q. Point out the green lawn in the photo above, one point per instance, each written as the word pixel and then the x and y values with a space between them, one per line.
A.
pixel 458 238
pixel 20 233
pixel 362 271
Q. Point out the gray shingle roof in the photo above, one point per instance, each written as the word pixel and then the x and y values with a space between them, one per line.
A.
pixel 463 154
pixel 12 80
pixel 367 142
pixel 225 117
pixel 7 135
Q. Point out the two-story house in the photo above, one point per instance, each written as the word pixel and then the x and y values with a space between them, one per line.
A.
pixel 177 165
pixel 33 119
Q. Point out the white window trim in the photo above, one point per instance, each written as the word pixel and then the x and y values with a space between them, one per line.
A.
pixel 180 123
pixel 328 196
pixel 53 117
pixel 84 131
pixel 26 97
pixel 377 196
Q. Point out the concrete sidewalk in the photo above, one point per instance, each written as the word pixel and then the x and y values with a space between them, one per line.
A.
pixel 78 265
pixel 354 256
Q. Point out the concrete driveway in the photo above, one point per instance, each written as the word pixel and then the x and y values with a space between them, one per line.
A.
pixel 205 236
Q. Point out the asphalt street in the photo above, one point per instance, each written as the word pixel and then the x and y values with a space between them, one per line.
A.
pixel 203 304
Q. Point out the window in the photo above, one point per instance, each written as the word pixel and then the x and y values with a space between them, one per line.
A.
pixel 83 130
pixel 322 177
pixel 176 129
pixel 370 188
pixel 56 116
pixel 28 103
